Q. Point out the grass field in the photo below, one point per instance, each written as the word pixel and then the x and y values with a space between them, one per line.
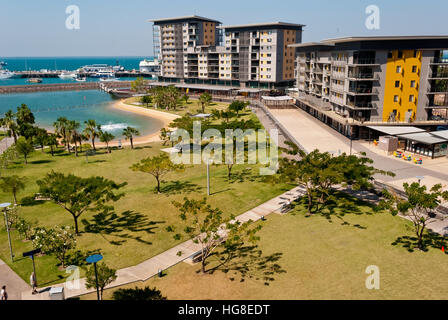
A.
pixel 323 259
pixel 138 231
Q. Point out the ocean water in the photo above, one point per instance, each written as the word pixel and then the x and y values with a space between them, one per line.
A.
pixel 79 106
pixel 63 63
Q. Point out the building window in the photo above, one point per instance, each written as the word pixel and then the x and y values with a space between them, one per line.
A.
pixel 415 53
pixel 400 54
pixel 390 55
pixel 399 69
pixel 413 84
pixel 396 98
pixel 414 69
pixel 411 98
pixel 397 84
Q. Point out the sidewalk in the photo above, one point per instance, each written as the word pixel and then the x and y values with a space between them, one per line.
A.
pixel 169 258
pixel 14 284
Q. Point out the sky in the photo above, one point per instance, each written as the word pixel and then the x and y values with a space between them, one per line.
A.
pixel 120 28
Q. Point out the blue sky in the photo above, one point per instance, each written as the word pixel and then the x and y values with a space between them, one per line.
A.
pixel 120 28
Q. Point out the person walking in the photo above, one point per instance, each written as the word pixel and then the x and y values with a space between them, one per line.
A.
pixel 33 282
pixel 3 294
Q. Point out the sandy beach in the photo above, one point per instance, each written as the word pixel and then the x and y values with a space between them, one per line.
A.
pixel 165 117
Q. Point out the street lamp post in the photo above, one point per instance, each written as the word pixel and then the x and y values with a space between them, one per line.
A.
pixel 94 259
pixel 208 176
pixel 5 206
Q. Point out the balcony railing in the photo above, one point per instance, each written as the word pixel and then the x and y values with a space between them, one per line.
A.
pixel 365 61
pixel 361 105
pixel 366 91
pixel 363 76
pixel 438 61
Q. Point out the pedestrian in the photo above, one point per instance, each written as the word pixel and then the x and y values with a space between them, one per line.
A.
pixel 33 282
pixel 3 294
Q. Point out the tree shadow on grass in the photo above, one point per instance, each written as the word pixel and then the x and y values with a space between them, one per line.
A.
pixel 142 147
pixel 247 262
pixel 110 223
pixel 430 240
pixel 179 187
pixel 40 161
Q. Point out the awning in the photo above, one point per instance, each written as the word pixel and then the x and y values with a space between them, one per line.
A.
pixel 280 98
pixel 424 137
pixel 396 130
pixel 441 134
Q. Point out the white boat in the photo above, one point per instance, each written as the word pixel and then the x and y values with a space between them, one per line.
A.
pixel 5 74
pixel 67 75
pixel 150 66
pixel 81 79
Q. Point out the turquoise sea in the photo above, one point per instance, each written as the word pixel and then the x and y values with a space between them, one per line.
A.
pixel 80 106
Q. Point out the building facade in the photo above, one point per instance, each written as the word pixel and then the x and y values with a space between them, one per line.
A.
pixel 200 51
pixel 352 82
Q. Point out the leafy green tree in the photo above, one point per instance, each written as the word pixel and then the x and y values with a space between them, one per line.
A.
pixel 205 99
pixel 129 134
pixel 206 226
pixel 106 137
pixel 9 121
pixel 8 156
pixel 138 294
pixel 146 100
pixel 92 131
pixel 25 229
pixel 51 141
pixel 139 85
pixel 320 172
pixel 77 195
pixel 12 184
pixel 223 114
pixel 165 135
pixel 418 206
pixel 24 147
pixel 237 106
pixel 186 97
pixel 157 166
pixel 61 126
pixel 25 121
pixel 41 138
pixel 106 276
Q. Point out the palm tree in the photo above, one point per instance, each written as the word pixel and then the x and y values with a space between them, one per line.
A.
pixel 61 126
pixel 51 141
pixel 9 121
pixel 205 99
pixel 73 130
pixel 106 137
pixel 129 133
pixel 12 184
pixel 91 131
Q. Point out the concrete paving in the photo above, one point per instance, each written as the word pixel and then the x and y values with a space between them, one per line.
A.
pixel 169 258
pixel 5 144
pixel 14 284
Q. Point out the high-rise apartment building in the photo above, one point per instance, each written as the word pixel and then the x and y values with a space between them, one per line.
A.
pixel 198 50
pixel 353 81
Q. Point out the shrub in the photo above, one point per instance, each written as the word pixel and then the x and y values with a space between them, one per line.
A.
pixel 25 229
pixel 138 294
pixel 28 201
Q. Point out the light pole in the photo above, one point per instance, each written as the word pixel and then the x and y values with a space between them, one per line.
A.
pixel 94 259
pixel 5 206
pixel 208 176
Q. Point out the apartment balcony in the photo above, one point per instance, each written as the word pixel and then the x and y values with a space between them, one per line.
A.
pixel 362 91
pixel 338 63
pixel 338 75
pixel 438 76
pixel 360 105
pixel 363 76
pixel 438 61
pixel 437 105
pixel 365 62
pixel 337 88
pixel 437 90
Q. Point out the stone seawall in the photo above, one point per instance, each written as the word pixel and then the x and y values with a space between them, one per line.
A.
pixel 62 87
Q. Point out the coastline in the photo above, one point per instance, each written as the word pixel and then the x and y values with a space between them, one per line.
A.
pixel 165 117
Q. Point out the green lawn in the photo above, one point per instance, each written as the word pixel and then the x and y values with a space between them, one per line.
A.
pixel 138 232
pixel 323 259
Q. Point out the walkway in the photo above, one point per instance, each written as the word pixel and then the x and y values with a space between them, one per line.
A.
pixel 5 143
pixel 14 284
pixel 169 258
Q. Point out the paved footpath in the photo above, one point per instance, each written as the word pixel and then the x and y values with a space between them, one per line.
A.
pixel 5 143
pixel 169 258
pixel 14 284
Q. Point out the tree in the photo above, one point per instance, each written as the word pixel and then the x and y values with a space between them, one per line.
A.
pixel 77 195
pixel 61 126
pixel 106 137
pixel 186 97
pixel 25 229
pixel 105 274
pixel 165 135
pixel 9 121
pixel 24 147
pixel 91 131
pixel 12 184
pixel 138 294
pixel 129 133
pixel 320 172
pixel 25 121
pixel 237 106
pixel 418 206
pixel 146 100
pixel 206 226
pixel 223 114
pixel 139 85
pixel 73 133
pixel 8 156
pixel 41 138
pixel 51 141
pixel 205 99
pixel 157 166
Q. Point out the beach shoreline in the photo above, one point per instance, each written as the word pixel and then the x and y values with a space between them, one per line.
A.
pixel 165 117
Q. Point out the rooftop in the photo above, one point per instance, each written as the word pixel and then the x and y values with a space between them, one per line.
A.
pixel 278 24
pixel 184 18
